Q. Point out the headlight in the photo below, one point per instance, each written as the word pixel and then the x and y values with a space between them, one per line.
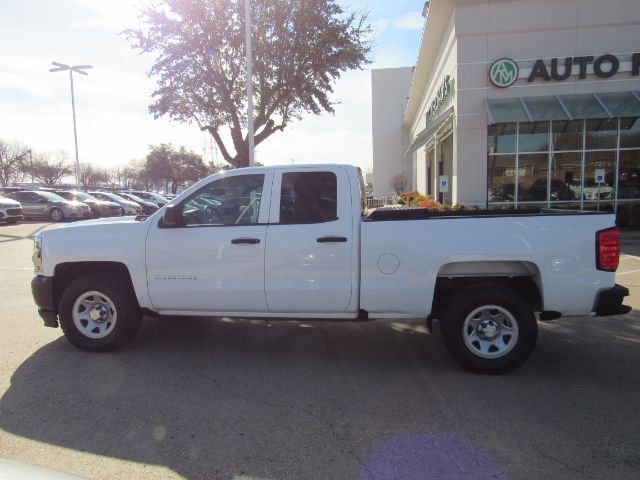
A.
pixel 37 254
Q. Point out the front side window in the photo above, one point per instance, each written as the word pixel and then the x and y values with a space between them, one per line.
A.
pixel 228 201
pixel 308 197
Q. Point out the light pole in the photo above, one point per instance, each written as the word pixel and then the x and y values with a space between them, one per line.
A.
pixel 31 164
pixel 247 33
pixel 60 67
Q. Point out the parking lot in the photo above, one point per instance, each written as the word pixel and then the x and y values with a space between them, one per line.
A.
pixel 231 399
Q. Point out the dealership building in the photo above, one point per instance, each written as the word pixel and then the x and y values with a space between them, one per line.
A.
pixel 516 103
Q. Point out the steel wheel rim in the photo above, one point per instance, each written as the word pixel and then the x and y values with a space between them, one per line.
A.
pixel 56 215
pixel 94 314
pixel 490 331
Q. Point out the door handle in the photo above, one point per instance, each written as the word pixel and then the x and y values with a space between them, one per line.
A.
pixel 245 240
pixel 331 239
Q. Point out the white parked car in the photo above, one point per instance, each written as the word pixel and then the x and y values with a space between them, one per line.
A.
pixel 591 190
pixel 294 242
pixel 10 210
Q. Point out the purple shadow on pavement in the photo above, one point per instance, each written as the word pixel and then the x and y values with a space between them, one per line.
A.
pixel 425 457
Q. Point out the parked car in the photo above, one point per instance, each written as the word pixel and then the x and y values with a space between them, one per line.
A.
pixel 10 210
pixel 591 190
pixel 147 207
pixel 150 197
pixel 99 208
pixel 39 204
pixel 128 207
pixel 484 279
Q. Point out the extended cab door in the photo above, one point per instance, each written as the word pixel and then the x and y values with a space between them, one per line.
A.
pixel 213 261
pixel 309 241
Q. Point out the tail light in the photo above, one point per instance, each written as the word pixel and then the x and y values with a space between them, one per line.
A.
pixel 608 249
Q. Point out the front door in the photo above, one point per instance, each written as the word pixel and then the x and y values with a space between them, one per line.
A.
pixel 213 261
pixel 310 242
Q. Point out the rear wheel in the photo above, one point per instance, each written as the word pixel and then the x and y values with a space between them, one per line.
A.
pixel 56 214
pixel 98 312
pixel 489 328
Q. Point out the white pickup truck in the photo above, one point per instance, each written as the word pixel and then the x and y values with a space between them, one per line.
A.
pixel 295 242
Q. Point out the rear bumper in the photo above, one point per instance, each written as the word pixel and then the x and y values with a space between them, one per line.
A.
pixel 609 302
pixel 42 290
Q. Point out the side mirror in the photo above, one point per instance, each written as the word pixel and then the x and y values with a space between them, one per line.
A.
pixel 170 217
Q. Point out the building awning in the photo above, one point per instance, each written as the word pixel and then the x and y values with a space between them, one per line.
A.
pixel 563 107
pixel 423 137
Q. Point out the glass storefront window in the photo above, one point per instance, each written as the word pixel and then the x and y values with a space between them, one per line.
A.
pixel 602 133
pixel 567 135
pixel 502 138
pixel 630 133
pixel 629 176
pixel 566 176
pixel 533 137
pixel 594 161
pixel 532 177
pixel 502 178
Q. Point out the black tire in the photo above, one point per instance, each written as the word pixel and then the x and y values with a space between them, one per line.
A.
pixel 128 319
pixel 56 214
pixel 474 297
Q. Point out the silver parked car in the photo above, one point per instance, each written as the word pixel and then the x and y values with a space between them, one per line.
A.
pixel 10 210
pixel 49 205
pixel 99 208
pixel 128 207
pixel 150 197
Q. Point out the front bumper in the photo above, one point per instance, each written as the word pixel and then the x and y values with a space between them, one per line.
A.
pixel 609 302
pixel 42 290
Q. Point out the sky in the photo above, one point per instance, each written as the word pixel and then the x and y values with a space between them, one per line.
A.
pixel 113 122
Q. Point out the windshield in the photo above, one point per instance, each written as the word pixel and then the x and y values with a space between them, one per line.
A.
pixel 83 196
pixel 133 197
pixel 113 196
pixel 52 197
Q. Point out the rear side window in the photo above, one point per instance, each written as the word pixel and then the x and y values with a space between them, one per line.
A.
pixel 308 197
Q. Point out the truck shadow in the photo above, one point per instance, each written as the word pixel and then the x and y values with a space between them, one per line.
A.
pixel 223 399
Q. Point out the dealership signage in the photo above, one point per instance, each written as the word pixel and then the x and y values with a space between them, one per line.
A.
pixel 504 72
pixel 441 98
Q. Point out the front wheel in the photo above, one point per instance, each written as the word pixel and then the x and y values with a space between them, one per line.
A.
pixel 98 312
pixel 489 328
pixel 56 215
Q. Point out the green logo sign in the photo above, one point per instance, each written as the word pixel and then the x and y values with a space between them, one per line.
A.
pixel 503 72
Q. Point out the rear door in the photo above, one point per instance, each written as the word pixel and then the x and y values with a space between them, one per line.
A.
pixel 308 259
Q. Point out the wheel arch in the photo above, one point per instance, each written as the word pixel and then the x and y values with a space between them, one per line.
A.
pixel 521 275
pixel 67 272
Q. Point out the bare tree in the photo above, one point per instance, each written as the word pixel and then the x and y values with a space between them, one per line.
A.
pixel 12 161
pixel 399 183
pixel 49 171
pixel 91 177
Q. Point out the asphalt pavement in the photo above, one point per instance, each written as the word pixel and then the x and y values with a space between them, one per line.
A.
pixel 201 398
